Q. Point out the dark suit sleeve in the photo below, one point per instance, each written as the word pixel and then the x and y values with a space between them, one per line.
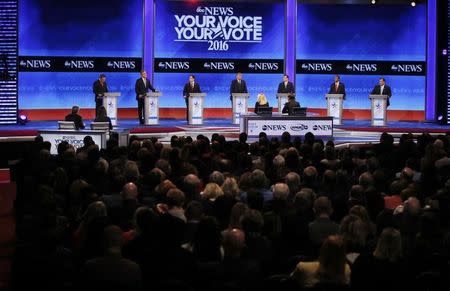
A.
pixel 343 91
pixel 285 108
pixel 279 88
pixel 136 87
pixel 79 122
pixel 185 91
pixel 389 92
pixel 245 87
pixel 149 85
pixel 94 88
pixel 292 88
pixel 331 89
pixel 256 106
pixel 231 89
pixel 110 123
pixel 374 91
pixel 198 88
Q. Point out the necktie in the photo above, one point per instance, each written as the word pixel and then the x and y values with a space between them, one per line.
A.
pixel 337 86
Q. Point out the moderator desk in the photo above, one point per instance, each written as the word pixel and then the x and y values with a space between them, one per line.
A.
pixel 275 125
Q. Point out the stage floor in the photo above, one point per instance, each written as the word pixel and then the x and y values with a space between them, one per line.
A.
pixel 351 131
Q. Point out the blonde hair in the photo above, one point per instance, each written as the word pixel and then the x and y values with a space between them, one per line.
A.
pixel 261 99
pixel 212 191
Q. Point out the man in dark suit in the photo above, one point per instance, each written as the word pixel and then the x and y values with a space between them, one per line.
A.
pixel 286 86
pixel 75 117
pixel 337 87
pixel 190 87
pixel 141 88
pixel 290 105
pixel 382 89
pixel 238 85
pixel 99 88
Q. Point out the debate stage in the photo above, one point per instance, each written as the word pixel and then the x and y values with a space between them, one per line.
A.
pixel 351 131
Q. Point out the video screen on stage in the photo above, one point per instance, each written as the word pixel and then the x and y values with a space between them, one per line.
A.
pixel 362 43
pixel 213 40
pixel 65 44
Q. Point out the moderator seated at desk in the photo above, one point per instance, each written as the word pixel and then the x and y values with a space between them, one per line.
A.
pixel 290 105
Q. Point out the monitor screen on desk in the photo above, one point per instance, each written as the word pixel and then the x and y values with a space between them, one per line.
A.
pixel 264 111
pixel 299 111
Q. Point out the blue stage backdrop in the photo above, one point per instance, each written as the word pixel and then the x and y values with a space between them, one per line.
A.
pixel 350 40
pixel 247 37
pixel 65 44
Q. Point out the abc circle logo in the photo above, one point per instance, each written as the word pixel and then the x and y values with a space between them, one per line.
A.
pixel 264 127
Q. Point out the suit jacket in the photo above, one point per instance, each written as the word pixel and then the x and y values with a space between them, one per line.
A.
pixel 340 89
pixel 386 91
pixel 289 88
pixel 188 89
pixel 257 105
pixel 235 87
pixel 289 106
pixel 98 89
pixel 77 119
pixel 142 88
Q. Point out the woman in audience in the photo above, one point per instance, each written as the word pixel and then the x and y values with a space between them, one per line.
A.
pixel 384 268
pixel 330 269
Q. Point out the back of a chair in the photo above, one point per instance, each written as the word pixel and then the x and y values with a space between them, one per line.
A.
pixel 100 126
pixel 66 125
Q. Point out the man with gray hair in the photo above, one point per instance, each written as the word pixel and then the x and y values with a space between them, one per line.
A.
pixel 258 182
pixel 216 177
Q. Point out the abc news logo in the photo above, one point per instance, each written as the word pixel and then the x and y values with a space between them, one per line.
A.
pixel 79 64
pixel 219 66
pixel 121 65
pixel 317 67
pixel 184 66
pixel 407 68
pixel 35 64
pixel 362 67
pixel 263 66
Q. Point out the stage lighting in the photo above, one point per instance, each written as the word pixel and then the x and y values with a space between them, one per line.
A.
pixel 23 119
pixel 440 117
pixel 413 3
pixel 374 1
pixel 444 52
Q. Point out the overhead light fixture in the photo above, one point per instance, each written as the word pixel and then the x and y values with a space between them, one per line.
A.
pixel 413 3
pixel 374 1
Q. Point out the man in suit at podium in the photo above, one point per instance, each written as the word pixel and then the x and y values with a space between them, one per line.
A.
pixel 290 105
pixel 337 87
pixel 190 87
pixel 141 88
pixel 238 85
pixel 99 88
pixel 286 86
pixel 382 89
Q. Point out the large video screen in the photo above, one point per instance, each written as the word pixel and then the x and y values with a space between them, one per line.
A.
pixel 214 40
pixel 65 44
pixel 362 43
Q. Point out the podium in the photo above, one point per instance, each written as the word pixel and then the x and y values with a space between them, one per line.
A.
pixel 282 99
pixel 151 108
pixel 379 105
pixel 334 107
pixel 240 105
pixel 110 103
pixel 195 114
